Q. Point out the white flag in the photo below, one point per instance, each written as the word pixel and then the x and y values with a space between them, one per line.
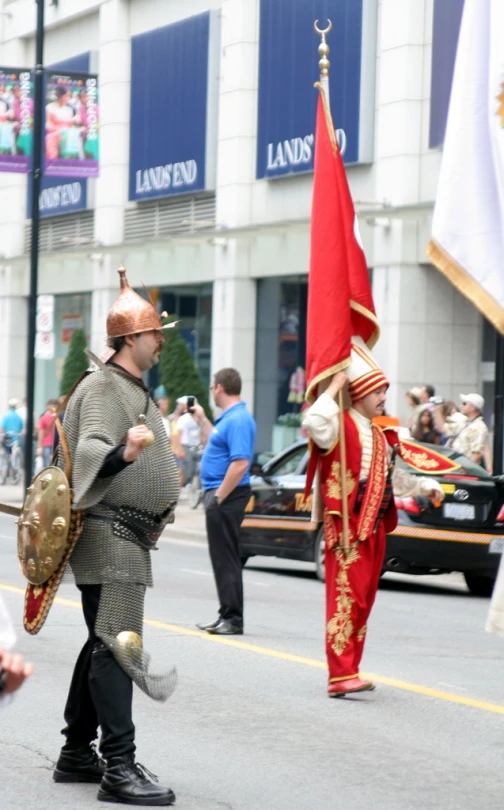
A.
pixel 467 242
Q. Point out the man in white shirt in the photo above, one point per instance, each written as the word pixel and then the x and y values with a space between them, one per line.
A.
pixel 189 436
pixel 354 559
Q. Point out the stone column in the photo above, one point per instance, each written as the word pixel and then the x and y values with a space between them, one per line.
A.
pixel 114 70
pixel 234 294
pixel 13 336
pixel 105 291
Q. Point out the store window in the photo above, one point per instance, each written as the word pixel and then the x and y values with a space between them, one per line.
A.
pixel 192 305
pixel 71 312
pixel 280 360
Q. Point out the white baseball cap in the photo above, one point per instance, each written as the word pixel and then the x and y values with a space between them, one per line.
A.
pixel 476 400
pixel 183 400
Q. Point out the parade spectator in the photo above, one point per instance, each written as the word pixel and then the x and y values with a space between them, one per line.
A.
pixel 189 437
pixel 413 402
pixel 445 414
pixel 425 430
pixel 225 478
pixel 163 404
pixel 169 423
pixel 12 423
pixel 427 395
pixel 471 436
pixel 46 432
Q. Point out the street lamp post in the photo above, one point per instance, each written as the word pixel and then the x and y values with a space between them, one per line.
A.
pixel 38 124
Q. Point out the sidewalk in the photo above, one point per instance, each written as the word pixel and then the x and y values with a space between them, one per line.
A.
pixel 188 522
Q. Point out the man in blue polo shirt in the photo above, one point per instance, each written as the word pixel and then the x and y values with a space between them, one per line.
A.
pixel 225 478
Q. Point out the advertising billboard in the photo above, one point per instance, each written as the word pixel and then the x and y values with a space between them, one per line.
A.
pixel 16 119
pixel 71 125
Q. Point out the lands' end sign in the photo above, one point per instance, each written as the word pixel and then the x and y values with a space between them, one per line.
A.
pixel 172 176
pixel 171 108
pixel 288 69
pixel 298 152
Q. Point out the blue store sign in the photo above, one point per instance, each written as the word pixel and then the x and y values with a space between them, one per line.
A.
pixel 288 68
pixel 57 195
pixel 445 32
pixel 169 100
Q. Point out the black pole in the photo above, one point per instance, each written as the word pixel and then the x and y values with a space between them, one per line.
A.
pixel 498 443
pixel 38 135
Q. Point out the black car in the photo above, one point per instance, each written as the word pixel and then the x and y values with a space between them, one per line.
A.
pixel 465 533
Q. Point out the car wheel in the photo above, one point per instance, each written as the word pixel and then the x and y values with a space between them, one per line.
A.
pixel 479 585
pixel 320 555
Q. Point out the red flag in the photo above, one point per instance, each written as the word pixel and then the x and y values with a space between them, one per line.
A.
pixel 340 302
pixel 329 327
pixel 363 312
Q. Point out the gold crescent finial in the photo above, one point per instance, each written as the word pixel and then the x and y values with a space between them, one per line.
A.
pixel 323 48
pixel 322 31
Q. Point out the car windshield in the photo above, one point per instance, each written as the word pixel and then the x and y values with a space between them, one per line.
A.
pixel 288 463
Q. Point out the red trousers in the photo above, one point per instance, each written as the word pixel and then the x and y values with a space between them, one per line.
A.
pixel 351 585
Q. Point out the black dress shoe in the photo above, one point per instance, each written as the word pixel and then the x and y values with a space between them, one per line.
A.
pixel 209 625
pixel 80 764
pixel 225 627
pixel 127 782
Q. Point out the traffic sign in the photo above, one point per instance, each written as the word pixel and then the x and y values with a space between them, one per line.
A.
pixel 44 345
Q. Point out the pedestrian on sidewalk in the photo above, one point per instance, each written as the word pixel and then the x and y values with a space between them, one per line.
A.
pixel 125 481
pixel 225 478
pixel 189 436
pixel 46 431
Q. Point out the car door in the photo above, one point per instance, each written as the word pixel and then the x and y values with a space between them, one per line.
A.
pixel 278 516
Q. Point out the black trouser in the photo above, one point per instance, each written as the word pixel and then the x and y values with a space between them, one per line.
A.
pixel 223 523
pixel 100 692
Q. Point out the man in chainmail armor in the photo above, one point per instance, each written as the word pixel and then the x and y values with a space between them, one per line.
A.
pixel 126 482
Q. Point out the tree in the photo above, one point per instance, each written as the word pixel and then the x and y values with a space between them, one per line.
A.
pixel 76 362
pixel 178 372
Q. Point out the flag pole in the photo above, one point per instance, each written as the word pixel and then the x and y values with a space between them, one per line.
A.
pixel 324 65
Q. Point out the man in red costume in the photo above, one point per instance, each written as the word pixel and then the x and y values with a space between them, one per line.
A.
pixel 352 575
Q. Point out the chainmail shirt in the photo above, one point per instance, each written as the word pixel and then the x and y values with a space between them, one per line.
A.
pixel 98 417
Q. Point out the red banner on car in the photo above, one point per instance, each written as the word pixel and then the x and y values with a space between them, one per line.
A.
pixel 426 460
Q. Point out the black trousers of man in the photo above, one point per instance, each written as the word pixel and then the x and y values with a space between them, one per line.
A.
pixel 223 523
pixel 100 692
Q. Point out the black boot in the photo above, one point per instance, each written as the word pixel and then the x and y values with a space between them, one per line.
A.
pixel 80 764
pixel 126 782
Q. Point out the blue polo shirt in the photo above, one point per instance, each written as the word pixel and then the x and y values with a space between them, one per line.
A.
pixel 232 437
pixel 12 422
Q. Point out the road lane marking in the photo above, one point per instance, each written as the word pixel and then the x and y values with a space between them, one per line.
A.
pixel 195 571
pixel 427 691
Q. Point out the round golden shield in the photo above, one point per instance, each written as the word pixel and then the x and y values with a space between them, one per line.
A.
pixel 44 525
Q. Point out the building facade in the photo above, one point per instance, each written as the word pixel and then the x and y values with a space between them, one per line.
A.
pixel 207 112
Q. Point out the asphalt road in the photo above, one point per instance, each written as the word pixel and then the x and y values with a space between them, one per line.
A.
pixel 249 725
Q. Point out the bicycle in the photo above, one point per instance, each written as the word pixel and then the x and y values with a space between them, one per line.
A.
pixel 10 459
pixel 193 488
